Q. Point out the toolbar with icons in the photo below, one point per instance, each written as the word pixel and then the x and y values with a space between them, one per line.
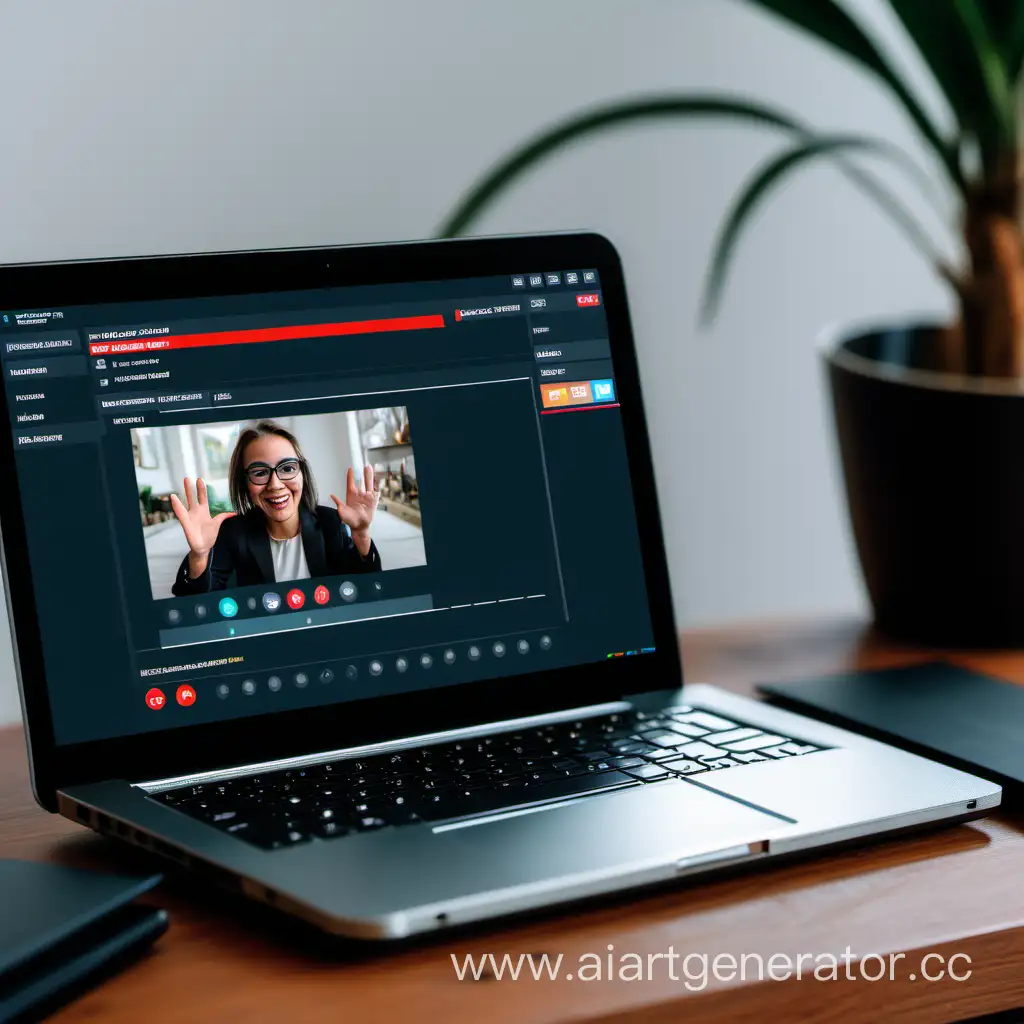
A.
pixel 373 674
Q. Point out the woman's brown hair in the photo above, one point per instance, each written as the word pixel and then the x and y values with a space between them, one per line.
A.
pixel 239 482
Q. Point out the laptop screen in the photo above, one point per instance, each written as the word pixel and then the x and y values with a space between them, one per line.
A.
pixel 251 503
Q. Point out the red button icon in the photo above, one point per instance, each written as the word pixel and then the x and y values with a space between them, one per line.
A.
pixel 593 299
pixel 295 598
pixel 321 595
pixel 186 696
pixel 155 699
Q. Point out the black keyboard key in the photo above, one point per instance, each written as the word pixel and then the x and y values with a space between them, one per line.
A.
pixel 684 728
pixel 684 766
pixel 545 775
pixel 404 813
pixel 630 746
pixel 369 823
pixel 513 782
pixel 329 829
pixel 720 762
pixel 757 742
pixel 706 720
pixel 648 772
pixel 699 750
pixel 370 791
pixel 723 739
pixel 666 754
pixel 272 833
pixel 625 762
pixel 663 739
pixel 797 748
pixel 423 805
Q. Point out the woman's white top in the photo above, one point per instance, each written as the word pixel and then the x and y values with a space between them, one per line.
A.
pixel 289 559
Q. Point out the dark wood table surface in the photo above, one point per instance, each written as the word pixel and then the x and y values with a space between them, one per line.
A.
pixel 957 889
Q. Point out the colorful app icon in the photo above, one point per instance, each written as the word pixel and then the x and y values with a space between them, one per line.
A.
pixel 155 699
pixel 553 395
pixel 271 601
pixel 604 390
pixel 185 696
pixel 321 595
pixel 296 598
pixel 228 607
pixel 580 393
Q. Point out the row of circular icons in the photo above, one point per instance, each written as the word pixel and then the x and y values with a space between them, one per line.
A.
pixel 186 695
pixel 376 667
pixel 271 601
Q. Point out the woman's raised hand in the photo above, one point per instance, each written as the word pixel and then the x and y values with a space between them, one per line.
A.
pixel 356 511
pixel 199 526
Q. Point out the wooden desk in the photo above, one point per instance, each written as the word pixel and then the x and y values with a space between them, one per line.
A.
pixel 958 889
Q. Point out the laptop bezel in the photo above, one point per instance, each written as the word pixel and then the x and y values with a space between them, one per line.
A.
pixel 286 734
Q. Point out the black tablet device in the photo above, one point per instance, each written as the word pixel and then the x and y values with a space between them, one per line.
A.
pixel 63 929
pixel 961 718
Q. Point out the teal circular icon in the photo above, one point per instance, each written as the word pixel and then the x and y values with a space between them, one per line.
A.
pixel 228 607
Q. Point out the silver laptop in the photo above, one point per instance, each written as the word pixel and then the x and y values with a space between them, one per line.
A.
pixel 336 576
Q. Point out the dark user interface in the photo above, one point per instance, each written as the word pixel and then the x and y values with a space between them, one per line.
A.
pixel 241 504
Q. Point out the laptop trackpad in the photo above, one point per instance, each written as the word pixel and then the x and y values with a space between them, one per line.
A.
pixel 659 823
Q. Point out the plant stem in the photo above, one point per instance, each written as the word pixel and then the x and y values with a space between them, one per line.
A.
pixel 992 299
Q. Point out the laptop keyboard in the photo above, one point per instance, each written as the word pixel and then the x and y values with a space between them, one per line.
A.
pixel 476 776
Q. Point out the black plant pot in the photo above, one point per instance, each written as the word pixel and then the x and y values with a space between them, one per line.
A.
pixel 934 470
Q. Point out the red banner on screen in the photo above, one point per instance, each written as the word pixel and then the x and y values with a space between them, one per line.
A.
pixel 164 343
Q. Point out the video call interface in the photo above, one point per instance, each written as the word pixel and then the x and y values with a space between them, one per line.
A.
pixel 244 504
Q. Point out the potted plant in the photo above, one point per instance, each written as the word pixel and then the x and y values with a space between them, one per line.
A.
pixel 929 416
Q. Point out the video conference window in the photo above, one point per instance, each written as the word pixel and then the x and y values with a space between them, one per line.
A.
pixel 253 502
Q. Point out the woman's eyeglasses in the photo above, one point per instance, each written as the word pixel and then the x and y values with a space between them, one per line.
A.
pixel 259 472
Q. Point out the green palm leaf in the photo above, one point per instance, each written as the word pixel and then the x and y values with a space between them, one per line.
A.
pixel 772 173
pixel 827 21
pixel 574 128
pixel 610 116
pixel 1005 22
pixel 954 39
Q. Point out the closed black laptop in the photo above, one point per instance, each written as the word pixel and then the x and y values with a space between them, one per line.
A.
pixel 957 716
pixel 61 928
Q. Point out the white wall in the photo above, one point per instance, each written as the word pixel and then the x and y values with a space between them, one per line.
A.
pixel 160 477
pixel 141 127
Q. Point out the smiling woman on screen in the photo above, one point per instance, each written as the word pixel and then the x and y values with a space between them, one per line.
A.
pixel 279 532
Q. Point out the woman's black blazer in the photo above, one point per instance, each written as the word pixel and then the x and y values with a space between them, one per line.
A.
pixel 243 550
